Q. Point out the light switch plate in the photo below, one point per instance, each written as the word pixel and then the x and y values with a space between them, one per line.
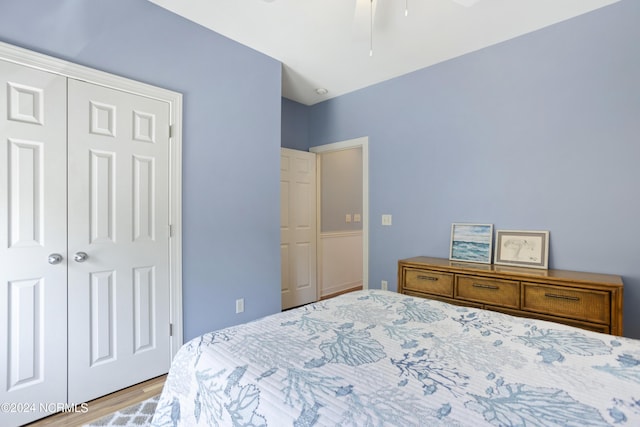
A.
pixel 386 219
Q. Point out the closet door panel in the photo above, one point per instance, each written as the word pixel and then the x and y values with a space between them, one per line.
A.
pixel 33 226
pixel 118 216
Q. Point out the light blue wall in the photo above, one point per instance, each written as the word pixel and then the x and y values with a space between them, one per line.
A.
pixel 295 125
pixel 341 190
pixel 232 98
pixel 537 133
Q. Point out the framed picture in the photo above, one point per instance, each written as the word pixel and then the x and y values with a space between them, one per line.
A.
pixel 522 248
pixel 471 242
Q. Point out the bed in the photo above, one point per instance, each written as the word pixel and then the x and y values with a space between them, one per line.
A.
pixel 378 358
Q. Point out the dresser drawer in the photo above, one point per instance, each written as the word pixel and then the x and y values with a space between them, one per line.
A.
pixel 505 293
pixel 589 305
pixel 433 282
pixel 591 301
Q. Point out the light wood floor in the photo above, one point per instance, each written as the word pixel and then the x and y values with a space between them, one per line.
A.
pixel 102 406
pixel 346 291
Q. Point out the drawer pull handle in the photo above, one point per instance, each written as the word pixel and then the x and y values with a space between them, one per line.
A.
pixel 479 285
pixel 562 297
pixel 433 279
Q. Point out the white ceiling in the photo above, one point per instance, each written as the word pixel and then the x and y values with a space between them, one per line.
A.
pixel 326 43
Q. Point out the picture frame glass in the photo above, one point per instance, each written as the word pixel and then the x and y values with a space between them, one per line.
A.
pixel 471 242
pixel 522 248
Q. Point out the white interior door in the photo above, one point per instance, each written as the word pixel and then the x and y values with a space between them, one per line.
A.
pixel 33 226
pixel 119 304
pixel 298 227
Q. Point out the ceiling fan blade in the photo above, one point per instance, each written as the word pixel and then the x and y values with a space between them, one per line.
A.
pixel 466 3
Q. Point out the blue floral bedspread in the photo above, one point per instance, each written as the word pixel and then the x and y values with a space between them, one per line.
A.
pixel 378 358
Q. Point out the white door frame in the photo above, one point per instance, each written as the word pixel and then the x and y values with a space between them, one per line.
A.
pixel 174 99
pixel 362 142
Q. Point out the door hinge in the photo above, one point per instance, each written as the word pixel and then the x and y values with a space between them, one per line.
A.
pixel 170 230
pixel 170 131
pixel 170 329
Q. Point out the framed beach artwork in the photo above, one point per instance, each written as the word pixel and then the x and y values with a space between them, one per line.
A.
pixel 522 248
pixel 471 242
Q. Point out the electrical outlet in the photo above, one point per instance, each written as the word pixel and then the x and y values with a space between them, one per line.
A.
pixel 385 285
pixel 239 305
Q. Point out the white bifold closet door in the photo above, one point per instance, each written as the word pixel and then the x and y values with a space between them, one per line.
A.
pixel 118 180
pixel 84 240
pixel 33 228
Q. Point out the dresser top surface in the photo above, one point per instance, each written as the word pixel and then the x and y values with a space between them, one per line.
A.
pixel 521 272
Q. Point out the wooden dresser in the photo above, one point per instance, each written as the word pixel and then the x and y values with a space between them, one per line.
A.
pixel 586 300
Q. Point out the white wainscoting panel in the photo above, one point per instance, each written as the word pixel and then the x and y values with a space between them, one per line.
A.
pixel 340 262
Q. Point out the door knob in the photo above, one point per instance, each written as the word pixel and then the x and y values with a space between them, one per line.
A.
pixel 80 257
pixel 55 259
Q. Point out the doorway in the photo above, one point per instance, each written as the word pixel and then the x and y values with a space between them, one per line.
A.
pixel 305 270
pixel 343 232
